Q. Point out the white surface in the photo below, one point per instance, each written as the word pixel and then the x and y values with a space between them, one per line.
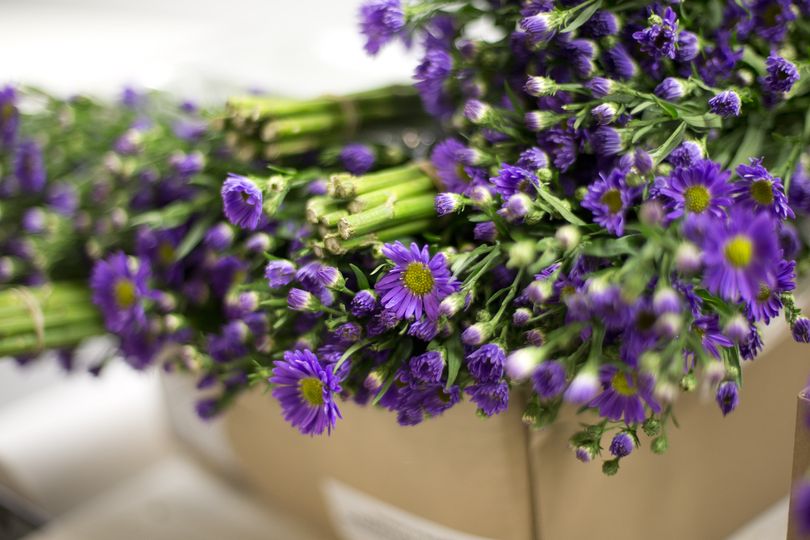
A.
pixel 174 499
pixel 771 524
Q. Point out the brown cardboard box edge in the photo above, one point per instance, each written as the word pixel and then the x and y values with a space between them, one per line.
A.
pixel 484 477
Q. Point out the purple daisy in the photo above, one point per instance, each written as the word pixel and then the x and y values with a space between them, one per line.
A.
pixel 491 398
pixel 622 445
pixel 549 379
pixel 739 254
pixel 726 104
pixel 701 188
pixel 608 199
pixel 624 395
pixel 9 116
pixel 758 190
pixel 29 167
pixel 279 273
pixel 417 283
pixel 512 180
pixel 486 364
pixel 119 285
pixel 711 336
pixel 782 75
pixel 768 302
pixel 306 392
pixel 659 39
pixel 728 397
pixel 242 201
pixel 380 22
pixel 452 161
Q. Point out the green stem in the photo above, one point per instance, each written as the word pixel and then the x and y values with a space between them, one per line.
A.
pixel 334 244
pixel 348 186
pixel 369 200
pixel 419 207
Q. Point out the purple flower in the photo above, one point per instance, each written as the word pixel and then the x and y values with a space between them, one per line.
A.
pixel 242 201
pixel 491 398
pixel 606 141
pixel 688 47
pixel 279 273
pixel 417 283
pixel 380 22
pixel 549 379
pixel 622 445
pixel 608 199
pixel 624 395
pixel 604 114
pixel 301 300
pixel 29 167
pixel 424 329
pixel 430 76
pixel 739 253
pixel 448 203
pixel 782 75
pixel 512 180
pixel 687 153
pixel 600 87
pixel 486 364
pixel 725 104
pixel 532 159
pixel 539 27
pixel 618 63
pixel 9 116
pixel 63 198
pixel 670 89
pixel 219 237
pixel 357 158
pixel 486 231
pixel 757 190
pixel 427 368
pixel 601 24
pixel 120 285
pixel 658 40
pixel 451 160
pixel 701 188
pixel 306 390
pixel 33 220
pixel 711 336
pixel 801 330
pixel 363 303
pixel 583 387
pixel 727 397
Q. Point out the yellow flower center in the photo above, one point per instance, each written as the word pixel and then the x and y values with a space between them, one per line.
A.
pixel 739 251
pixel 762 192
pixel 696 198
pixel 567 291
pixel 418 279
pixel 613 200
pixel 124 292
pixel 166 253
pixel 7 112
pixel 312 390
pixel 621 385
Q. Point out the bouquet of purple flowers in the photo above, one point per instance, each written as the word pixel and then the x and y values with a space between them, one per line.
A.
pixel 612 211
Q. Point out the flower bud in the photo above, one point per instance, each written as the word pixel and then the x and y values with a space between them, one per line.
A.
pixel 688 259
pixel 522 362
pixel 584 387
pixel 539 291
pixel 540 86
pixel 520 317
pixel 522 254
pixel 660 444
pixel 737 329
pixel 568 236
pixel 452 304
pixel 604 114
pixel 476 334
pixel 448 203
pixel 301 300
pixel 477 111
pixel 651 212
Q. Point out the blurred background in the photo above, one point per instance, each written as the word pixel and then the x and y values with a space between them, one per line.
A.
pixel 109 457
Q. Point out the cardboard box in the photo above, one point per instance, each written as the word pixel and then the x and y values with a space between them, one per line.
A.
pixel 801 455
pixel 459 477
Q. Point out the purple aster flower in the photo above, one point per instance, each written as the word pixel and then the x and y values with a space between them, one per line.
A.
pixel 549 379
pixel 583 454
pixel 451 160
pixel 752 346
pixel 120 285
pixel 242 201
pixel 279 273
pixel 759 191
pixel 306 390
pixel 486 364
pixel 427 368
pixel 430 76
pixel 486 231
pixel 622 445
pixel 357 158
pixel 424 329
pixel 711 336
pixel 688 47
pixel 532 159
pixel 187 165
pixel 686 154
pixel 618 63
pixel 608 199
pixel 383 321
pixel 739 254
pixel 604 114
pixel 414 402
pixel 491 398
pixel 363 303
pixel 601 24
pixel 258 243
pixel 380 21
pixel 726 104
pixel 417 283
pixel 606 141
pixel 539 27
pixel 782 75
pixel 600 87
pixel 63 198
pixel 562 143
pixel 670 89
pixel 583 388
pixel 719 59
pixel 9 116
pixel 701 189
pixel 448 203
pixel 624 395
pixel 219 237
pixel 801 330
pixel 301 300
pixel 33 220
pixel 770 19
pixel 659 39
pixel 207 408
pixel 29 167
pixel 728 397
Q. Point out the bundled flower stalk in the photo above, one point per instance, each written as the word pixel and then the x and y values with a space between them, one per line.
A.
pixel 613 214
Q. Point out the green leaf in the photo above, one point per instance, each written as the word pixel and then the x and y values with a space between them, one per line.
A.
pixel 750 144
pixel 705 121
pixel 362 280
pixel 660 153
pixel 559 206
pixel 582 18
pixel 192 238
pixel 612 247
pixel 455 353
